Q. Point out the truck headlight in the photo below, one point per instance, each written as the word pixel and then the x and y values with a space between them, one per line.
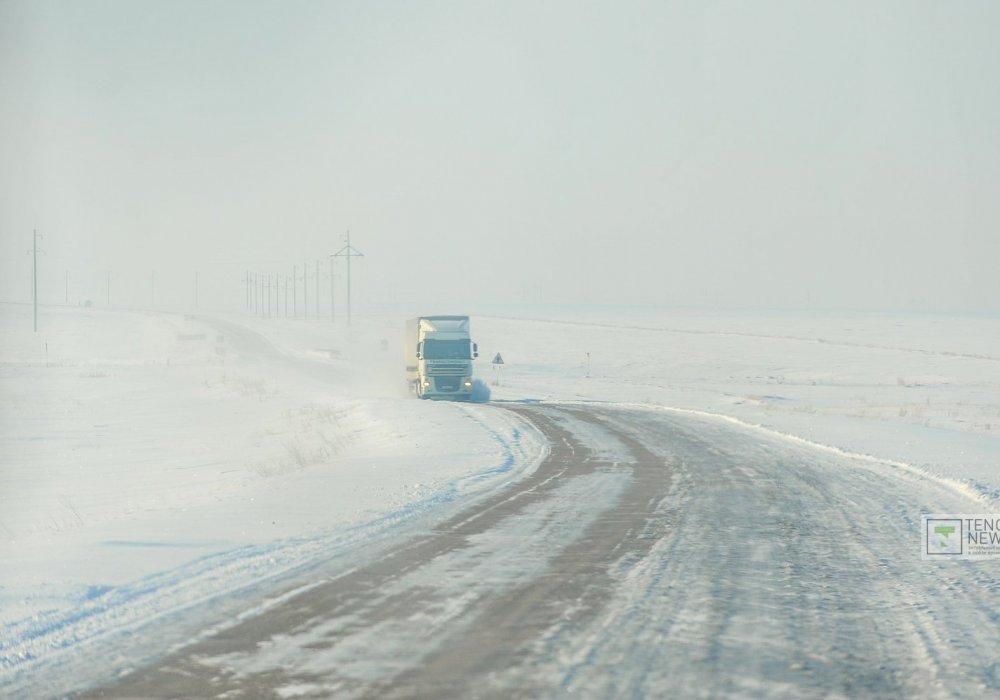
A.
pixel 468 383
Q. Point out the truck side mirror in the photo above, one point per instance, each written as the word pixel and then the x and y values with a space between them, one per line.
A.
pixel 475 350
pixel 420 351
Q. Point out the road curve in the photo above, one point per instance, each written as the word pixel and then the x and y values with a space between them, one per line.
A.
pixel 650 555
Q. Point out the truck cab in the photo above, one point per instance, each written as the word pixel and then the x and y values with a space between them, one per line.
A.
pixel 439 354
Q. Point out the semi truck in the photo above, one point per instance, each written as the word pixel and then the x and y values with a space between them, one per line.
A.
pixel 439 354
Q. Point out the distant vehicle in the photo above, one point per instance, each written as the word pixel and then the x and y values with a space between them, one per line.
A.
pixel 439 354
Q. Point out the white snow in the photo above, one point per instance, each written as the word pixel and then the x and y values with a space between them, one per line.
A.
pixel 151 461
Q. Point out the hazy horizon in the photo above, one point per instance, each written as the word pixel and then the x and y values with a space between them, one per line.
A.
pixel 820 155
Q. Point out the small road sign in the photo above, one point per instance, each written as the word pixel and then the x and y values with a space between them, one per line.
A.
pixel 498 360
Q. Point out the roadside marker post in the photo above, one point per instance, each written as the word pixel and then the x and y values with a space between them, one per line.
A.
pixel 498 364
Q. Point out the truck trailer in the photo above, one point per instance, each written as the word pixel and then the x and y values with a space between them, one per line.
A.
pixel 439 354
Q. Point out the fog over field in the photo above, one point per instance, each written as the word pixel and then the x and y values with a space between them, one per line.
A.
pixel 804 155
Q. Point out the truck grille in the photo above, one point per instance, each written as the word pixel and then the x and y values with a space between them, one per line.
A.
pixel 449 370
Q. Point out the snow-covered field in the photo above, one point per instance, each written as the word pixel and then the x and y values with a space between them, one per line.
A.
pixel 151 462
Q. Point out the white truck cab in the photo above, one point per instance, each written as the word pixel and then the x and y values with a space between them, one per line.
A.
pixel 439 354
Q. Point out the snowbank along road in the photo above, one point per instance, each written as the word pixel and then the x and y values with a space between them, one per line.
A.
pixel 649 555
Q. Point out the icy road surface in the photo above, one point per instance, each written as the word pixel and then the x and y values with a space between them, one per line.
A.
pixel 651 554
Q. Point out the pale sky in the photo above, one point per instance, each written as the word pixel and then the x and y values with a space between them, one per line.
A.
pixel 787 154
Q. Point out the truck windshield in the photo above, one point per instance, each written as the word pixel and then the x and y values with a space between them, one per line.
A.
pixel 446 350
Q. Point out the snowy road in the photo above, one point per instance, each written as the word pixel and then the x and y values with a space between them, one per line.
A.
pixel 651 554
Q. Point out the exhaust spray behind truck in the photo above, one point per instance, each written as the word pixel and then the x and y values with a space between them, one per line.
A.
pixel 439 354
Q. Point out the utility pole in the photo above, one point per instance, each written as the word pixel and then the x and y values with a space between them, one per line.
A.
pixel 305 287
pixel 67 287
pixel 295 291
pixel 34 273
pixel 348 251
pixel 333 312
pixel 286 296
